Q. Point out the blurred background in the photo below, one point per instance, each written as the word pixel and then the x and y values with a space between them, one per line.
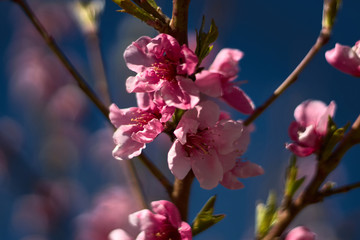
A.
pixel 58 179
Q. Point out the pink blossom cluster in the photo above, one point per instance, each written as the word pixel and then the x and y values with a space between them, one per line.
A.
pixel 206 141
pixel 163 223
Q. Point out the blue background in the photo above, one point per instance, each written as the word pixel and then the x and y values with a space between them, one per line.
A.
pixel 275 36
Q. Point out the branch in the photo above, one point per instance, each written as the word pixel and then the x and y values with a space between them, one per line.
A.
pixel 312 194
pixel 322 39
pixel 326 193
pixel 179 20
pixel 181 193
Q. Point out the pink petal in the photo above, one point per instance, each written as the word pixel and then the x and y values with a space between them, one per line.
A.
pixel 227 61
pixel 209 83
pixel 309 112
pixel 151 130
pixel 321 127
pixel 191 61
pixel 230 181
pixel 119 234
pixel 178 160
pixel 169 210
pixel 126 147
pixel 208 114
pixel 185 231
pixel 247 169
pixel 185 126
pixel 293 130
pixel 207 168
pixel 164 45
pixel 136 55
pixel 345 59
pixel 300 233
pixel 300 150
pixel 238 99
pixel 119 116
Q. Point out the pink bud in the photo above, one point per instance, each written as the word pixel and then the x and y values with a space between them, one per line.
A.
pixel 345 58
pixel 300 233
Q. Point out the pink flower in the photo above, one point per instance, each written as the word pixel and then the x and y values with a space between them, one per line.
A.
pixel 207 145
pixel 310 127
pixel 218 80
pixel 136 127
pixel 300 233
pixel 345 58
pixel 162 224
pixel 163 68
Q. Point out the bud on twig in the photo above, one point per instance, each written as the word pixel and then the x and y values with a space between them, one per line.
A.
pixel 330 10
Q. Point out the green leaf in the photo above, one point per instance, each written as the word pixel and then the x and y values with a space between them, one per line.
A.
pixel 266 215
pixel 136 11
pixel 153 3
pixel 292 184
pixel 205 218
pixel 332 138
pixel 204 40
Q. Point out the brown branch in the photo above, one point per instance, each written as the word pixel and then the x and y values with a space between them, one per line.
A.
pixel 322 39
pixel 179 20
pixel 181 193
pixel 326 193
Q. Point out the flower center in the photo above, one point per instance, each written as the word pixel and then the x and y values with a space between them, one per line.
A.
pixel 196 142
pixel 143 117
pixel 167 232
pixel 165 70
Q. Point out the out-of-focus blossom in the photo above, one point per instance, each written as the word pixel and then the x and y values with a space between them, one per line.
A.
pixel 163 67
pixel 207 145
pixel 310 127
pixel 67 103
pixel 300 233
pixel 163 223
pixel 110 211
pixel 345 58
pixel 218 80
pixel 136 127
pixel 87 14
pixel 39 212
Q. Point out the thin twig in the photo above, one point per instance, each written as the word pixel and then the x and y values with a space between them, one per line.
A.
pixel 343 189
pixel 97 64
pixel 322 39
pixel 181 194
pixel 155 12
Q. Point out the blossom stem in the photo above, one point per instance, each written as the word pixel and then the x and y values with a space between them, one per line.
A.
pixel 312 194
pixel 181 194
pixel 179 20
pixel 322 39
pixel 97 64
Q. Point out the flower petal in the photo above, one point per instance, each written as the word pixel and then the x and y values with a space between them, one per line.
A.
pixel 345 59
pixel 209 83
pixel 238 99
pixel 178 160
